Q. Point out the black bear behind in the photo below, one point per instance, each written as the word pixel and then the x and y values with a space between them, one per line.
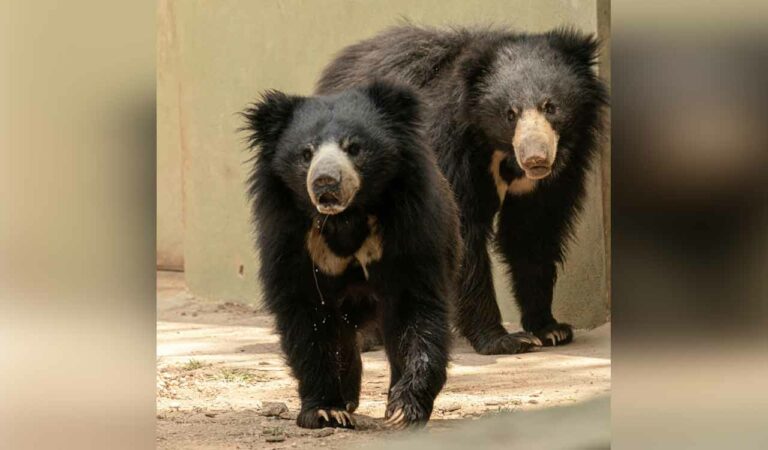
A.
pixel 513 119
pixel 354 224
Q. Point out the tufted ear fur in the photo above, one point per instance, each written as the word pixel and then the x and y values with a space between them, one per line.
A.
pixel 581 51
pixel 580 48
pixel 473 68
pixel 268 118
pixel 398 103
pixel 476 66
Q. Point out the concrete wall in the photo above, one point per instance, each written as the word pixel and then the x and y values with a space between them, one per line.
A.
pixel 215 57
pixel 170 204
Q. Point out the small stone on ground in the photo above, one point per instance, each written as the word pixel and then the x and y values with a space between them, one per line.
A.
pixel 273 409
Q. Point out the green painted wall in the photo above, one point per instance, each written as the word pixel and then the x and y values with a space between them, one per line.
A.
pixel 215 57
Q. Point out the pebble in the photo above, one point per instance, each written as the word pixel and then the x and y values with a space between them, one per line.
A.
pixel 492 402
pixel 275 437
pixel 323 432
pixel 274 434
pixel 533 402
pixel 272 409
pixel 365 423
pixel 289 415
pixel 452 407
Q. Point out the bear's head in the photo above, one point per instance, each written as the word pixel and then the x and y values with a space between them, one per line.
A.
pixel 334 152
pixel 536 98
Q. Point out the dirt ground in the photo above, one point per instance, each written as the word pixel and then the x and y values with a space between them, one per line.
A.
pixel 222 382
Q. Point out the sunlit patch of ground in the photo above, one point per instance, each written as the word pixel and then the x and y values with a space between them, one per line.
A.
pixel 220 372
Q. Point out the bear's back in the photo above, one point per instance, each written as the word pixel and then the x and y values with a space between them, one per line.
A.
pixel 412 55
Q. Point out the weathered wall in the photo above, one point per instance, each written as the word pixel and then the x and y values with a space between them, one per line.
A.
pixel 170 205
pixel 221 55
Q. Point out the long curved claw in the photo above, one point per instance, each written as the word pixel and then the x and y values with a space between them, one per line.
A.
pixel 556 334
pixel 342 418
pixel 350 418
pixel 396 421
pixel 529 338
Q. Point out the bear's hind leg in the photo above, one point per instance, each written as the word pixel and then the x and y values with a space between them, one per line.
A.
pixel 350 370
pixel 369 338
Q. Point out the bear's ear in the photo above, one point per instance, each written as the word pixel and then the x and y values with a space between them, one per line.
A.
pixel 268 118
pixel 475 66
pixel 397 102
pixel 578 47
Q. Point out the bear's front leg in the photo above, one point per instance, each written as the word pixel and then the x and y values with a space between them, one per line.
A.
pixel 317 347
pixel 416 338
pixel 534 282
pixel 478 315
pixel 532 250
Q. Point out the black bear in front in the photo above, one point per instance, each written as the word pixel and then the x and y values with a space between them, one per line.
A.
pixel 354 224
pixel 514 120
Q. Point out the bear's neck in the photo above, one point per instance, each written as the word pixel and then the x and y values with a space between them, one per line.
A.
pixel 343 233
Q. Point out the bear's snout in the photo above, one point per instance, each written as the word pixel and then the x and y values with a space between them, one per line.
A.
pixel 332 180
pixel 534 156
pixel 326 188
pixel 535 144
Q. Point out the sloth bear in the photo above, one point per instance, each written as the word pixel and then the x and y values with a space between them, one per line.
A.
pixel 513 119
pixel 354 223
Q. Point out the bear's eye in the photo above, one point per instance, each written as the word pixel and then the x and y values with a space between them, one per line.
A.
pixel 306 153
pixel 549 107
pixel 511 114
pixel 353 148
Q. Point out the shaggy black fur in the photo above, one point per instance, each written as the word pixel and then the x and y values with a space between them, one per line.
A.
pixel 407 292
pixel 470 81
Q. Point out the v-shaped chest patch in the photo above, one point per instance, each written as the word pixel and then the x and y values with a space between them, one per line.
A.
pixel 332 264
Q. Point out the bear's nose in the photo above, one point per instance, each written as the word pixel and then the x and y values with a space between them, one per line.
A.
pixel 326 182
pixel 535 161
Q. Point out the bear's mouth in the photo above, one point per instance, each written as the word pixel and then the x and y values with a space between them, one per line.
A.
pixel 328 199
pixel 329 203
pixel 537 172
pixel 330 210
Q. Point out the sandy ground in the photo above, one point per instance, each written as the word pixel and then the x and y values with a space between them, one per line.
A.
pixel 222 383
